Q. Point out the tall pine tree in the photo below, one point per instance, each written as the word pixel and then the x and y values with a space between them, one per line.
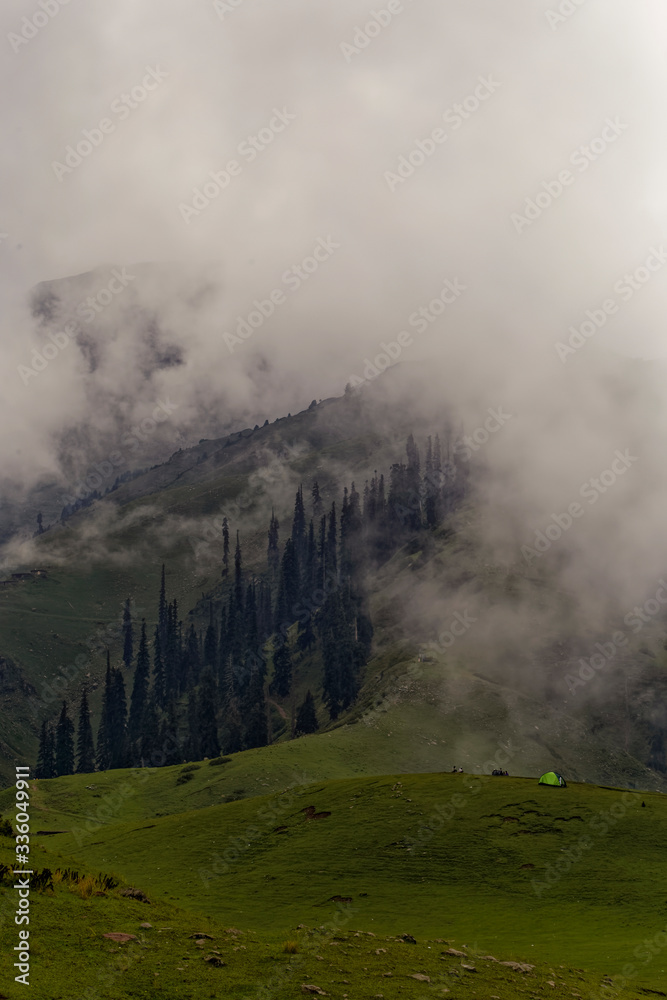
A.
pixel 139 694
pixel 46 762
pixel 282 671
pixel 64 743
pixel 103 756
pixel 209 744
pixel 118 722
pixel 128 651
pixel 225 547
pixel 273 552
pixel 85 748
pixel 306 717
pixel 318 506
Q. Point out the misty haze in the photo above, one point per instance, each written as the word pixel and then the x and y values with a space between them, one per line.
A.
pixel 333 577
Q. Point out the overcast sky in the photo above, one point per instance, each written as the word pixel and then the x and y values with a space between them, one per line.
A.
pixel 336 94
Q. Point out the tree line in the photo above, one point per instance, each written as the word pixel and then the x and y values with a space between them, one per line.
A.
pixel 198 693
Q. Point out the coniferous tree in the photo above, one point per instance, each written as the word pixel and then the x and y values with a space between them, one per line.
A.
pixel 322 553
pixel 273 552
pixel 226 687
pixel 238 576
pixel 306 637
pixel 332 545
pixel 288 590
pixel 139 692
pixel 299 528
pixel 118 721
pixel 413 485
pixel 209 745
pixel 64 743
pixel 170 747
pixel 103 756
pixel 309 586
pixel 172 652
pixel 306 718
pixel 191 749
pixel 163 611
pixel 225 547
pixel 158 670
pixel 264 613
pixel 254 714
pixel 128 651
pixel 431 489
pixel 46 763
pixel 191 676
pixel 210 641
pixel 398 510
pixel 309 583
pixel 381 508
pixel 233 729
pixel 373 498
pixel 350 534
pixel 150 736
pixel 318 506
pixel 331 626
pixel 234 640
pixel 254 657
pixel 282 671
pixel 85 747
pixel 345 635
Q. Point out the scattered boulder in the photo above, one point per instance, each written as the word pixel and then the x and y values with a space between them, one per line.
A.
pixel 146 927
pixel 309 988
pixel 408 938
pixel 380 951
pixel 120 937
pixel 135 894
pixel 421 977
pixel 468 968
pixel 214 960
pixel 457 954
pixel 518 966
pixel 199 936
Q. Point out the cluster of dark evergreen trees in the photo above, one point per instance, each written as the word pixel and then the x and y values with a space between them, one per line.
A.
pixel 196 694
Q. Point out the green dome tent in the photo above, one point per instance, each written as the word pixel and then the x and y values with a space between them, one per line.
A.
pixel 552 778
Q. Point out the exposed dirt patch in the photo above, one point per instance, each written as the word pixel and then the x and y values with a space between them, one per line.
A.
pixel 311 814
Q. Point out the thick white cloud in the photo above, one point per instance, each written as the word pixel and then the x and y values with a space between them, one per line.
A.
pixel 552 86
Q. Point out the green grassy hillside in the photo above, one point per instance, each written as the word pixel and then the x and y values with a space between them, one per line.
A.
pixel 562 879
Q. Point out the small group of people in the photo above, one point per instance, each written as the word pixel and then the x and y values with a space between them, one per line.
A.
pixel 498 771
pixel 457 770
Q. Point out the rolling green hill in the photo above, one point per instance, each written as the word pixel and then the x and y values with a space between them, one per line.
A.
pixel 564 880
